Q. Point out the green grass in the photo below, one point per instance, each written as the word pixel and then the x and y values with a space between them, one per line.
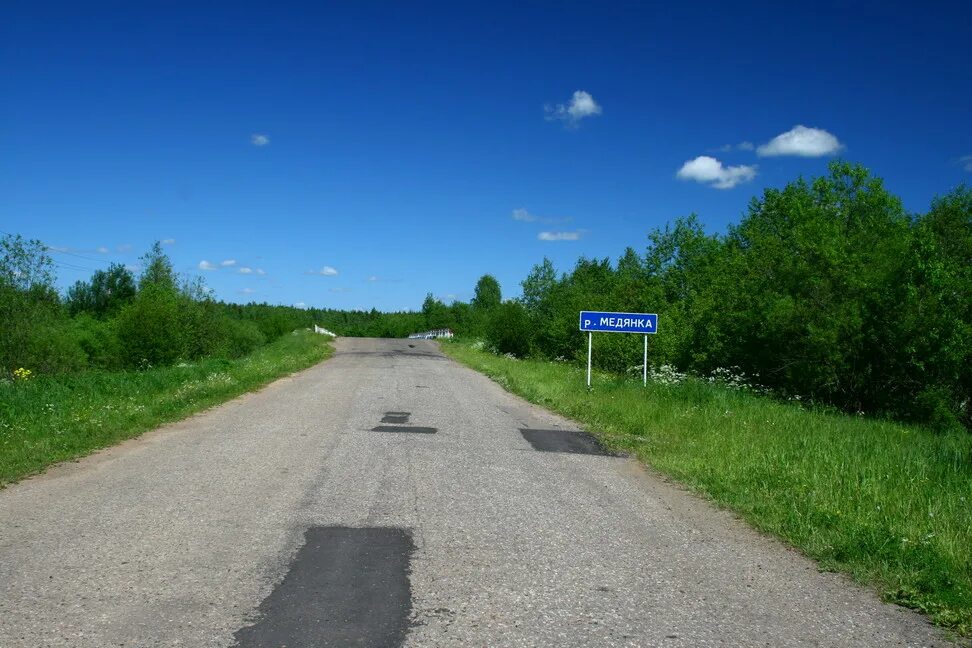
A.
pixel 48 419
pixel 887 503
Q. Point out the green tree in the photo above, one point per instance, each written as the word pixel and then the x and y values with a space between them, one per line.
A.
pixel 928 360
pixel 151 328
pixel 157 269
pixel 105 294
pixel 684 282
pixel 156 327
pixel 25 264
pixel 509 329
pixel 812 266
pixel 34 332
pixel 436 313
pixel 487 293
pixel 538 285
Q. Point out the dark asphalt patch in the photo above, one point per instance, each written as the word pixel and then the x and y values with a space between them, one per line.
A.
pixel 405 428
pixel 569 441
pixel 396 417
pixel 345 587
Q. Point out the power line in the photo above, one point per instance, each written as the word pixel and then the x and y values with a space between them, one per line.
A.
pixel 66 264
pixel 71 266
pixel 48 248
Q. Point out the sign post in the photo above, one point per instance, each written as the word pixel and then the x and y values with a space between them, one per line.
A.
pixel 644 366
pixel 590 344
pixel 600 322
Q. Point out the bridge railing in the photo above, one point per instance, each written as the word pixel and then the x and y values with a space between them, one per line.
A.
pixel 431 335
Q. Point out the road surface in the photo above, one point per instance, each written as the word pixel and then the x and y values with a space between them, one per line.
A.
pixel 392 497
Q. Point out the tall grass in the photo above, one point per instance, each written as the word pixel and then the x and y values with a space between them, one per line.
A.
pixel 48 419
pixel 889 504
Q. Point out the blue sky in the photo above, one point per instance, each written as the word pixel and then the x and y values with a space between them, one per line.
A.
pixel 394 143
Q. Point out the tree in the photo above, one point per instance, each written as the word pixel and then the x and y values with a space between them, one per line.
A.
pixel 105 294
pixel 813 265
pixel 487 294
pixel 436 313
pixel 684 282
pixel 34 332
pixel 538 284
pixel 157 269
pixel 151 329
pixel 509 329
pixel 25 265
pixel 932 329
pixel 629 290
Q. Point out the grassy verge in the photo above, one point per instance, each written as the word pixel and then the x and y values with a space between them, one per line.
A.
pixel 889 504
pixel 49 419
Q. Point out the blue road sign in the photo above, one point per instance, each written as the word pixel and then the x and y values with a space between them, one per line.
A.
pixel 644 323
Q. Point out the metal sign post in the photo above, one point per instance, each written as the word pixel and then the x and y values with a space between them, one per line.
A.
pixel 590 343
pixel 644 366
pixel 597 321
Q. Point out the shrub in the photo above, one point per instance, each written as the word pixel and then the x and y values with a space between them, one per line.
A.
pixel 53 348
pixel 509 329
pixel 98 340
pixel 150 328
pixel 241 338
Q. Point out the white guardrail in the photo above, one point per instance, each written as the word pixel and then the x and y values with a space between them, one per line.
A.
pixel 431 335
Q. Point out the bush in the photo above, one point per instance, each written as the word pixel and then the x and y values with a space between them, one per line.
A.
pixel 150 328
pixel 241 338
pixel 509 330
pixel 204 329
pixel 938 407
pixel 53 348
pixel 99 341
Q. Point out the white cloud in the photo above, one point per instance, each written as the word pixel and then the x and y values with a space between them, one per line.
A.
pixel 133 267
pixel 339 290
pixel 581 105
pixel 127 247
pixel 300 305
pixel 245 270
pixel 741 146
pixel 206 265
pixel 711 171
pixel 559 236
pixel 966 161
pixel 102 250
pixel 247 291
pixel 259 140
pixel 523 215
pixel 168 241
pixel 228 262
pixel 261 271
pixel 326 271
pixel 801 141
pixel 374 278
pixel 526 217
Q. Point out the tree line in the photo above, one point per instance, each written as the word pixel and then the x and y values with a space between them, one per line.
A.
pixel 116 320
pixel 826 289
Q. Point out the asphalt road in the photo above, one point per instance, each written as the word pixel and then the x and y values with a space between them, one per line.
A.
pixel 283 519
